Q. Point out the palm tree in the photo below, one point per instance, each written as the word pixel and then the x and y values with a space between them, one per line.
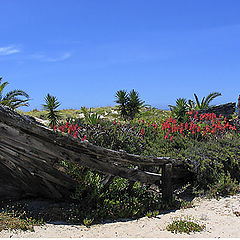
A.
pixel 122 99
pixel 129 104
pixel 51 104
pixel 134 104
pixel 14 99
pixel 180 110
pixel 205 103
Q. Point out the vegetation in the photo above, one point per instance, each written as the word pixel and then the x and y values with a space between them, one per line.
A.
pixel 185 226
pixel 179 111
pixel 129 104
pixel 205 103
pixel 15 98
pixel 90 118
pixel 187 135
pixel 12 221
pixel 183 106
pixel 119 199
pixel 51 104
pixel 195 140
pixel 122 100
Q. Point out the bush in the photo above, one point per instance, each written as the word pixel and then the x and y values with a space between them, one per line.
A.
pixel 121 199
pixel 185 226
pixel 216 172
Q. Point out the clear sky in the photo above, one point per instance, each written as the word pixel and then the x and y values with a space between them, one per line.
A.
pixel 83 51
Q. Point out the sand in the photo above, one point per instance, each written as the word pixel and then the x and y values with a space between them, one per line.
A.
pixel 217 215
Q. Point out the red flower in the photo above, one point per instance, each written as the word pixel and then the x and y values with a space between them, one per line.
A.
pixel 67 124
pixel 181 129
pixel 76 134
pixel 61 128
pixel 84 138
pixel 142 131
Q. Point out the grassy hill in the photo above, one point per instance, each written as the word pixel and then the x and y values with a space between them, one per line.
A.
pixel 108 112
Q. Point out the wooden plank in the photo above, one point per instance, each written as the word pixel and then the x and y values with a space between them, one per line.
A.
pixel 167 189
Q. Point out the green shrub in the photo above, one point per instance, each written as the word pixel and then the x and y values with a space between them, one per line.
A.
pixel 216 172
pixel 121 199
pixel 51 104
pixel 184 226
pixel 14 221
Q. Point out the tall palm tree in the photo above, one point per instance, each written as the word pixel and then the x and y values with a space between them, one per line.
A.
pixel 51 104
pixel 14 99
pixel 205 103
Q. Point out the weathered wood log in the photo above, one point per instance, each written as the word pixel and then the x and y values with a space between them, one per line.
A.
pixel 167 187
pixel 30 155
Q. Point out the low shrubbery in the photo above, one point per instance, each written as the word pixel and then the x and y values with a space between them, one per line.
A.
pixel 120 199
pixel 209 145
pixel 185 226
pixel 12 221
pixel 198 141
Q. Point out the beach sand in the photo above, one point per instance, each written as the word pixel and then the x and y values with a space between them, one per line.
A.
pixel 217 215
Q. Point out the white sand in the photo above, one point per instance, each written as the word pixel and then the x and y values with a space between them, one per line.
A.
pixel 217 215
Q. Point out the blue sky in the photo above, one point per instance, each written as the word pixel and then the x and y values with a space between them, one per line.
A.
pixel 84 51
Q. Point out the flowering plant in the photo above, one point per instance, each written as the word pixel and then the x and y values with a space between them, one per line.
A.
pixel 197 126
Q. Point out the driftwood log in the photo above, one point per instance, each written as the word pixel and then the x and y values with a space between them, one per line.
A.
pixel 30 154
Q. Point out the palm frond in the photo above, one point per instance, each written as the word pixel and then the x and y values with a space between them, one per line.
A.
pixel 198 105
pixel 212 96
pixel 2 86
